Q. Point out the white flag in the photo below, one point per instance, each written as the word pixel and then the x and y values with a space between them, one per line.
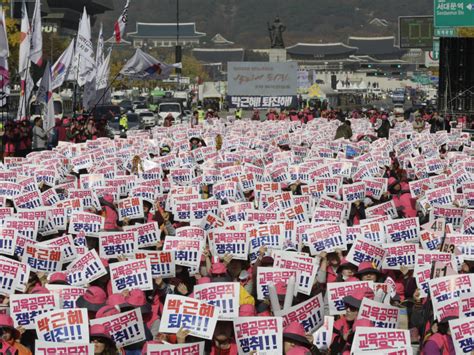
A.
pixel 61 67
pixel 84 51
pixel 103 73
pixel 121 24
pixel 25 41
pixel 45 96
pixel 99 56
pixel 4 53
pixel 36 54
pixel 4 50
pixel 25 92
pixel 144 66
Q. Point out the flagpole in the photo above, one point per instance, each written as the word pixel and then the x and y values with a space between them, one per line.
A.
pixel 74 97
pixel 105 92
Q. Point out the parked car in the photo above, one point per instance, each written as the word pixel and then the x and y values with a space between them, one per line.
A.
pixel 147 119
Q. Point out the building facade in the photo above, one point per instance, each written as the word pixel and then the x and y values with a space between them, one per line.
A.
pixel 155 35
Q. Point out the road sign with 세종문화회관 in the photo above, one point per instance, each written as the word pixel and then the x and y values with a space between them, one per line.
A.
pixel 454 13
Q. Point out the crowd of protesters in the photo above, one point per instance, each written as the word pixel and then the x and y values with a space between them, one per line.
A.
pixel 298 140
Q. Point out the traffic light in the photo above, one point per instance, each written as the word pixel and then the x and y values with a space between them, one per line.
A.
pixel 366 66
pixel 396 66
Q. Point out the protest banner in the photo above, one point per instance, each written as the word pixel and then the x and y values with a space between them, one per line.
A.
pixel 67 294
pixel 382 315
pixel 48 348
pixel 10 189
pixel 126 328
pixel 375 188
pixel 113 244
pixel 326 238
pixel 430 240
pixel 199 317
pixel 406 230
pixel 267 275
pixel 236 212
pixel 462 244
pixel 369 338
pixel 9 277
pixel 338 290
pixel 66 242
pixel 201 208
pixel 373 231
pixel 8 240
pixel 353 192
pixel 130 208
pixel 25 308
pixel 89 223
pixel 322 338
pixel 44 258
pixel 307 270
pixel 88 198
pixel 131 274
pixel 466 305
pixel 327 215
pixel 175 349
pixel 71 325
pixel 223 295
pixel 441 196
pixel 269 235
pixel 462 334
pixel 190 233
pixel 187 251
pixel 28 200
pixel 398 255
pixel 59 218
pixel 383 209
pixel 363 250
pixel 450 288
pixel 162 262
pixel 148 234
pixel 85 269
pixel 262 335
pixel 24 227
pixel 309 313
pixel 229 242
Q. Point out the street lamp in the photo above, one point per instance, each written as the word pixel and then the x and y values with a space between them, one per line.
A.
pixel 178 47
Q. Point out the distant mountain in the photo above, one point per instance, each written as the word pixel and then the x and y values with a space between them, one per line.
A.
pixel 245 21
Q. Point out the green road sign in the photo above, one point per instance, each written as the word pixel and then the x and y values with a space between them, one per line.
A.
pixel 454 13
pixel 445 32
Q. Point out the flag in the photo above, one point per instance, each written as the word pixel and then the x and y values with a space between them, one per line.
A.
pixel 144 66
pixel 25 41
pixel 84 51
pixel 121 23
pixel 26 86
pixel 99 56
pixel 61 67
pixel 103 73
pixel 4 54
pixel 36 52
pixel 45 96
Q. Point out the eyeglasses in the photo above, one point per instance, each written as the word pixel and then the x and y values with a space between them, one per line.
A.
pixel 97 340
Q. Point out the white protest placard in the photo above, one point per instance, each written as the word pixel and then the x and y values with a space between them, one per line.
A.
pixel 199 317
pixel 89 223
pixel 131 274
pixel 148 234
pixel 187 251
pixel 336 292
pixel 44 258
pixel 461 333
pixel 71 325
pixel 68 295
pixel 66 242
pixel 114 244
pixel 263 335
pixel 267 275
pixel 398 255
pixel 229 242
pixel 383 209
pixel 85 269
pixel 375 188
pixel 269 235
pixel 322 338
pixel 307 270
pixel 440 196
pixel 369 338
pixel 466 305
pixel 224 295
pixel 201 208
pixel 406 230
pixel 8 239
pixel 373 231
pixel 130 208
pixel 381 314
pixel 25 308
pixel 353 192
pixel 175 349
pixel 29 200
pixel 309 313
pixel 363 250
pixel 47 348
pixel 162 262
pixel 9 277
pixel 125 328
pixel 326 238
pixel 25 228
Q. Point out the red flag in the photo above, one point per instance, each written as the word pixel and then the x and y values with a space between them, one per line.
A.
pixel 121 23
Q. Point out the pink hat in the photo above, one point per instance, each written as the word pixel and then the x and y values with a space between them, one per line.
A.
pixel 204 280
pixel 137 299
pixel 247 310
pixel 298 350
pixel 93 299
pixel 367 267
pixel 39 289
pixel 295 331
pixel 115 299
pixel 106 311
pixel 218 268
pixel 58 278
pixel 355 298
pixel 7 322
pixel 100 331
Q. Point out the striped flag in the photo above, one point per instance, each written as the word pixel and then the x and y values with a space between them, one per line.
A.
pixel 36 52
pixel 121 23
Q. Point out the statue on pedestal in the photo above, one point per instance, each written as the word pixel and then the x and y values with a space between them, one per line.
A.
pixel 276 33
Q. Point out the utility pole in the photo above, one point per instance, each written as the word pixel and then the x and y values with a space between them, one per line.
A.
pixel 178 47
